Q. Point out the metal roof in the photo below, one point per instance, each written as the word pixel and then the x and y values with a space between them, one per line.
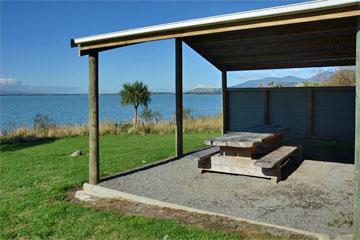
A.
pixel 240 16
pixel 310 34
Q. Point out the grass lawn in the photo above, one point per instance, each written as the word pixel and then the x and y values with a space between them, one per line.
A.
pixel 35 177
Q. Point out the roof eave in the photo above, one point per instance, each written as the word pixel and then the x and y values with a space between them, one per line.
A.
pixel 221 19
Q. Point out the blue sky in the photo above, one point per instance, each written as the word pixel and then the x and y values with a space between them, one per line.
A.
pixel 35 43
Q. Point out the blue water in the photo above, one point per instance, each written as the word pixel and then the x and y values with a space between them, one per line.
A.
pixel 19 111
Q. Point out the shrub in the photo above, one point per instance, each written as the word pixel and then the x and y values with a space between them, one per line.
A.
pixel 125 126
pixel 149 115
pixel 42 121
pixel 133 130
pixel 187 113
pixel 147 130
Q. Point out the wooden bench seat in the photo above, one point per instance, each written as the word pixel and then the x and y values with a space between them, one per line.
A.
pixel 269 166
pixel 273 161
pixel 204 154
pixel 275 158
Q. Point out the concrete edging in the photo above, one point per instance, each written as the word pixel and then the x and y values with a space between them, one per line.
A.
pixel 102 192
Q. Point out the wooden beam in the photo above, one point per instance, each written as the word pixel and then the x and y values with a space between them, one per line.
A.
pixel 310 114
pixel 287 56
pixel 356 225
pixel 87 52
pixel 266 107
pixel 292 50
pixel 204 55
pixel 270 34
pixel 312 45
pixel 258 23
pixel 179 97
pixel 224 101
pixel 93 118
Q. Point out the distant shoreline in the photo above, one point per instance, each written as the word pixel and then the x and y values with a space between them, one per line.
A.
pixel 78 94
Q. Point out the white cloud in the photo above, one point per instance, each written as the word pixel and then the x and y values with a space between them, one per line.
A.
pixel 10 85
pixel 5 81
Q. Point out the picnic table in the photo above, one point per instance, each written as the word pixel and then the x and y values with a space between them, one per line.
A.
pixel 255 151
pixel 253 142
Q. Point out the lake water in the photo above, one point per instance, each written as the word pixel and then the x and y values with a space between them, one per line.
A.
pixel 73 109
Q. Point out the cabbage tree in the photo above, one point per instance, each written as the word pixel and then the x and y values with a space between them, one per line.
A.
pixel 135 94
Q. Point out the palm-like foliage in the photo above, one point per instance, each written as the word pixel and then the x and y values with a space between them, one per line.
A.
pixel 135 94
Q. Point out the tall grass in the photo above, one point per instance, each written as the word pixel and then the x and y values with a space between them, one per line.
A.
pixel 191 125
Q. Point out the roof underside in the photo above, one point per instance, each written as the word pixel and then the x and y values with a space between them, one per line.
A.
pixel 314 44
pixel 316 38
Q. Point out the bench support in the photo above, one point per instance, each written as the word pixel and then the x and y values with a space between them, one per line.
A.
pixel 268 166
pixel 278 178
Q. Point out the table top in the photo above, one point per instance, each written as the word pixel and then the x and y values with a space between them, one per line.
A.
pixel 247 138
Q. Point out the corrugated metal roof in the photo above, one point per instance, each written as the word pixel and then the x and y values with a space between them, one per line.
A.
pixel 221 19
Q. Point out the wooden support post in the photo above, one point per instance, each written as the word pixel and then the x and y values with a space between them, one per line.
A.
pixel 224 101
pixel 356 225
pixel 266 107
pixel 310 115
pixel 93 118
pixel 179 98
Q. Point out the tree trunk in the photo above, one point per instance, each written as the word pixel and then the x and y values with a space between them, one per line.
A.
pixel 135 117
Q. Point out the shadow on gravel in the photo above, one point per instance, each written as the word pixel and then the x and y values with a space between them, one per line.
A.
pixel 325 150
pixel 319 150
pixel 148 166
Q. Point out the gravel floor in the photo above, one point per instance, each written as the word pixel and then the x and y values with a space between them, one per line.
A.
pixel 317 197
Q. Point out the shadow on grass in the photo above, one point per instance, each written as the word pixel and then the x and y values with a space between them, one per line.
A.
pixel 12 146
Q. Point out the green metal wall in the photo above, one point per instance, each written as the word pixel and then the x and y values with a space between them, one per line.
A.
pixel 245 109
pixel 289 109
pixel 334 114
pixel 333 110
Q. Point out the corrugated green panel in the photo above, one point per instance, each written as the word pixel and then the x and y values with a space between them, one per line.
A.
pixel 334 113
pixel 289 109
pixel 245 109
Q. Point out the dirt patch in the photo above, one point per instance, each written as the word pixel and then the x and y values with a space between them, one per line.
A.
pixel 218 223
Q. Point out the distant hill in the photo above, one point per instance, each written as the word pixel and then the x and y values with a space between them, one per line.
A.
pixel 288 81
pixel 204 90
pixel 10 86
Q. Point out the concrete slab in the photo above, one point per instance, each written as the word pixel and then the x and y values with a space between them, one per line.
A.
pixel 82 196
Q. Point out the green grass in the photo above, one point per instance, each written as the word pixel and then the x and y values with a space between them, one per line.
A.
pixel 35 177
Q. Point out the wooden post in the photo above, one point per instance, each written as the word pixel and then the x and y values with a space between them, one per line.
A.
pixel 266 107
pixel 310 115
pixel 357 139
pixel 178 98
pixel 224 101
pixel 93 118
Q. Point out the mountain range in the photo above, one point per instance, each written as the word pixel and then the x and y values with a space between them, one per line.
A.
pixel 204 90
pixel 287 81
pixel 9 86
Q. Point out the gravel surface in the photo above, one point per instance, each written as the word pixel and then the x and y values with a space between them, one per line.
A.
pixel 317 197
